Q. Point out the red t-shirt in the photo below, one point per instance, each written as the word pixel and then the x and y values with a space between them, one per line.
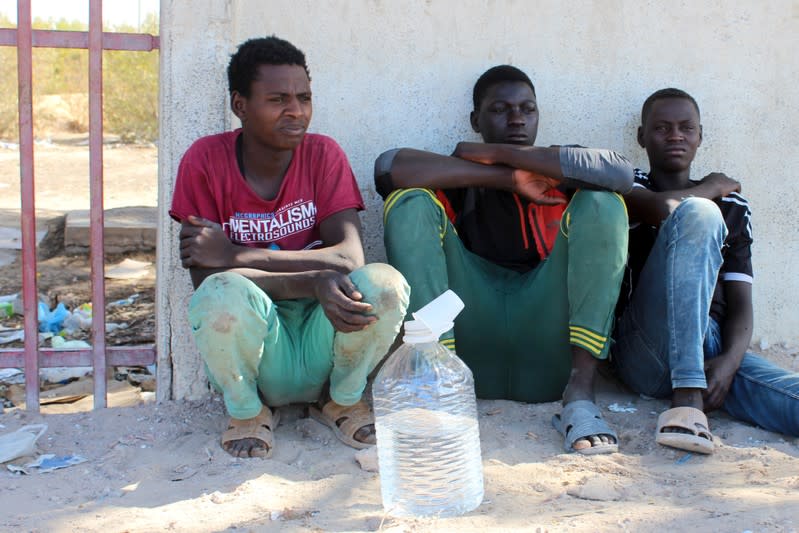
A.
pixel 318 183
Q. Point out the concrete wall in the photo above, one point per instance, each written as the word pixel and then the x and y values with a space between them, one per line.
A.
pixel 399 73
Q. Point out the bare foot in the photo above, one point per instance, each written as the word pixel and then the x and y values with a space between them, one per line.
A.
pixel 251 437
pixel 581 387
pixel 353 425
pixel 366 434
pixel 684 398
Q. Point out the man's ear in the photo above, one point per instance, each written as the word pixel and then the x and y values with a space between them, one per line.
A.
pixel 473 121
pixel 238 105
pixel 700 135
pixel 641 136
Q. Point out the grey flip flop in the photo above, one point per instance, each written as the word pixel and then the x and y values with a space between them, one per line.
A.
pixel 581 419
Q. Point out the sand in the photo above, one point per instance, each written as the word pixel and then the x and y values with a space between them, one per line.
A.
pixel 159 467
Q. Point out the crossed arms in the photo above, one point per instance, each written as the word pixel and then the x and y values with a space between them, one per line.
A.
pixel 530 171
pixel 320 273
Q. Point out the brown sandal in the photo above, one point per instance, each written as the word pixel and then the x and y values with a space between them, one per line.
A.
pixel 345 421
pixel 690 419
pixel 259 428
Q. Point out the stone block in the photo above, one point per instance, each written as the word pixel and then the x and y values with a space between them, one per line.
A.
pixel 127 229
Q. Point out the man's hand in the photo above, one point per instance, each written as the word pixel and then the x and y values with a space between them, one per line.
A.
pixel 341 302
pixel 535 187
pixel 723 184
pixel 204 244
pixel 720 371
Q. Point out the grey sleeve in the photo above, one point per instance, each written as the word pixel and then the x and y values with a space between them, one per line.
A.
pixel 383 182
pixel 596 169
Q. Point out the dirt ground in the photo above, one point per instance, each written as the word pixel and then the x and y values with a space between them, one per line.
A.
pixel 61 173
pixel 65 279
pixel 61 184
pixel 159 467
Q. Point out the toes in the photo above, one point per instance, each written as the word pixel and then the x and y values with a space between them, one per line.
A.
pixel 366 434
pixel 676 429
pixel 242 449
pixel 581 444
pixel 607 439
pixel 245 448
pixel 233 449
pixel 593 441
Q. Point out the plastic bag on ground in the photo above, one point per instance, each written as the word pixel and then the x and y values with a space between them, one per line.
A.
pixel 21 442
pixel 52 320
pixel 80 318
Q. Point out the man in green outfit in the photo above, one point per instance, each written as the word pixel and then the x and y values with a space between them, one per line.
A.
pixel 284 310
pixel 532 239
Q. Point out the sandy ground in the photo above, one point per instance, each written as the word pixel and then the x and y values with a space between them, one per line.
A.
pixel 155 467
pixel 159 467
pixel 61 176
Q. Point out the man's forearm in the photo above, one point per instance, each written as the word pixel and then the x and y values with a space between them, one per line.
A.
pixel 407 168
pixel 576 167
pixel 603 169
pixel 277 270
pixel 653 207
pixel 736 332
pixel 276 261
pixel 278 285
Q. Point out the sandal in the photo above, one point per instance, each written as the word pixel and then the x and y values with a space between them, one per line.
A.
pixel 698 437
pixel 345 421
pixel 579 420
pixel 255 429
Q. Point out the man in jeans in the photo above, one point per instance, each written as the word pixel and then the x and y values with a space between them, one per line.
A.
pixel 688 324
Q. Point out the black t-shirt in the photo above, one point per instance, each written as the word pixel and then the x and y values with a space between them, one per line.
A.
pixel 503 227
pixel 736 253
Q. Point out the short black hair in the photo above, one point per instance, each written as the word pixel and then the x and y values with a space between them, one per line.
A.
pixel 662 94
pixel 495 75
pixel 251 54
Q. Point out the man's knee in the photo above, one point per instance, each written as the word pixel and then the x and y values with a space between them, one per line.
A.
pixel 702 210
pixel 698 217
pixel 221 286
pixel 383 287
pixel 600 207
pixel 415 204
pixel 220 294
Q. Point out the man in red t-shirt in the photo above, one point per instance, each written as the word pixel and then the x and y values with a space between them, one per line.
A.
pixel 283 303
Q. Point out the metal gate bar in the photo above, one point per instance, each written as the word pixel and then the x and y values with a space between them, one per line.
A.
pixel 24 37
pixel 96 219
pixel 28 217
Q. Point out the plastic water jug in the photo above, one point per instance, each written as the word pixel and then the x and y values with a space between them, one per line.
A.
pixel 428 440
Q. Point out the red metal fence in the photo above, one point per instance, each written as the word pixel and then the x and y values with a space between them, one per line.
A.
pixel 24 37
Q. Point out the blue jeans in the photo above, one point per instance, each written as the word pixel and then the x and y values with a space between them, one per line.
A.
pixel 666 333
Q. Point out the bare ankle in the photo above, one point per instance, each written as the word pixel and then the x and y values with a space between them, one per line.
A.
pixel 685 397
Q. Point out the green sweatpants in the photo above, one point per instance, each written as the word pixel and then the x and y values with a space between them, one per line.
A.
pixel 517 329
pixel 288 349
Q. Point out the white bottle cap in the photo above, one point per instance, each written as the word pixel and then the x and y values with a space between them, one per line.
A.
pixel 417 332
pixel 439 315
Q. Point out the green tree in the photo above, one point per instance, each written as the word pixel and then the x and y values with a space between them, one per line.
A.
pixel 8 87
pixel 131 89
pixel 130 82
